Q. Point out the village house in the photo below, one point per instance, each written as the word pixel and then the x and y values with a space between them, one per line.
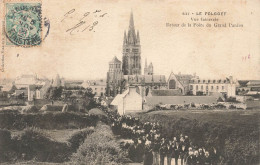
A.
pixel 98 87
pixel 38 91
pixel 127 102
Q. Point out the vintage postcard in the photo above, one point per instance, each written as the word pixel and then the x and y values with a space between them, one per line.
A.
pixel 130 82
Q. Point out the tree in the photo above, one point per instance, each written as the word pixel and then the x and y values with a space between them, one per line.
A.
pixel 54 93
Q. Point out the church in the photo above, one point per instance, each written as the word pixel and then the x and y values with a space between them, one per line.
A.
pixel 129 72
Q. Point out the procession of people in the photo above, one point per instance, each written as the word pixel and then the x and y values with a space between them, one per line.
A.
pixel 151 147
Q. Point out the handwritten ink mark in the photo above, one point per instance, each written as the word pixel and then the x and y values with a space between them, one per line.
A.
pixel 83 24
pixel 103 15
pixel 85 15
pixel 97 11
pixel 66 15
pixel 75 27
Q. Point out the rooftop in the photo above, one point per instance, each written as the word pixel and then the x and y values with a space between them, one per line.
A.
pixel 153 100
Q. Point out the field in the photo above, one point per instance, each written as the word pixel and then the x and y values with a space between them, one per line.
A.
pixel 63 138
pixel 235 133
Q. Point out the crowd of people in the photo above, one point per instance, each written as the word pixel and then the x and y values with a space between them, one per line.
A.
pixel 147 144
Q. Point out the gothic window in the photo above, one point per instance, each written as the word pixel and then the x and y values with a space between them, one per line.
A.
pixel 197 87
pixel 223 87
pixel 135 50
pixel 212 87
pixel 201 87
pixel 217 88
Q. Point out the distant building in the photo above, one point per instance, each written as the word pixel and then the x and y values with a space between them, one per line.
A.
pixel 37 91
pixel 24 80
pixel 98 87
pixel 248 87
pixel 129 101
pixel 207 87
pixel 72 83
pixel 180 81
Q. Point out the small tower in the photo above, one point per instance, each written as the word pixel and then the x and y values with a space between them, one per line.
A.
pixel 114 77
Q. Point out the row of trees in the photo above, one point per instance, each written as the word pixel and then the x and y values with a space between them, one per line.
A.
pixel 80 98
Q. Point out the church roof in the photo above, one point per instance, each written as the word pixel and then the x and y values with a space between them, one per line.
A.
pixel 115 60
pixel 184 77
pixel 154 79
pixel 166 92
pixel 148 79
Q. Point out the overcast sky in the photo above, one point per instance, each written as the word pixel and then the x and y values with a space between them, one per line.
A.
pixel 210 52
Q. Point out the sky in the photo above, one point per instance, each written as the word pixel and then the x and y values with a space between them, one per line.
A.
pixel 208 52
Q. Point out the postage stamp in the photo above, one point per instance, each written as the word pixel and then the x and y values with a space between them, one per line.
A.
pixel 23 23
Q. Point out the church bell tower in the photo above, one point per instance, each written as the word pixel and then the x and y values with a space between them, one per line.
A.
pixel 131 51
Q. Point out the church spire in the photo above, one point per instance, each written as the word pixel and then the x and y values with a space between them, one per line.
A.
pixel 131 22
pixel 131 50
pixel 131 31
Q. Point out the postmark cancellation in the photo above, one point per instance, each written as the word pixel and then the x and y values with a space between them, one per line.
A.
pixel 23 23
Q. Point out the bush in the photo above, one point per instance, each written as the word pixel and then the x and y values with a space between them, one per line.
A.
pixel 6 146
pixel 98 112
pixel 29 109
pixel 79 137
pixel 34 144
pixel 99 148
pixel 59 120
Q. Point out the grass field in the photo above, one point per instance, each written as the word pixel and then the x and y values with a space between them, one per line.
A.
pixel 224 117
